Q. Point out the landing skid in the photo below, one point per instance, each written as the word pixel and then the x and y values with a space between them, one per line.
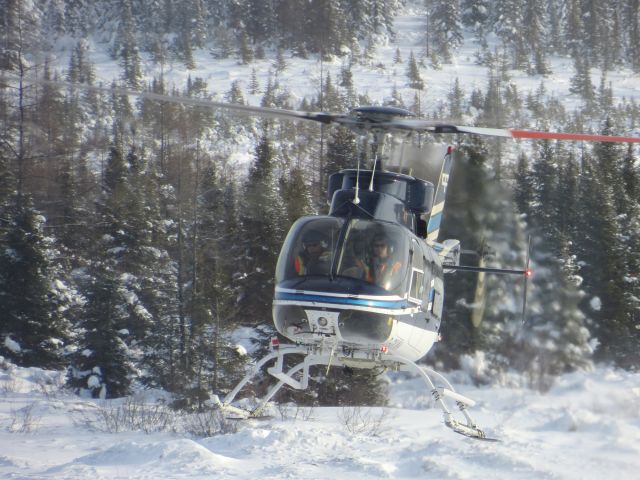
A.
pixel 317 355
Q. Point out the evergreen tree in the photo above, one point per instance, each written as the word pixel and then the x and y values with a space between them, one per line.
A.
pixel 523 194
pixel 234 95
pixel 508 23
pixel 631 15
pixel 397 56
pixel 102 365
pixel 254 85
pixel 126 47
pixel 581 82
pixel 603 267
pixel 49 108
pixel 341 151
pixel 246 51
pixel 20 33
pixel 475 15
pixel 456 99
pixel 396 98
pixel 445 28
pixel 279 64
pixel 536 35
pixel 413 73
pixel 631 175
pixel 573 30
pixel 33 330
pixel 262 220
pixel 545 205
pixel 295 194
pixel 80 67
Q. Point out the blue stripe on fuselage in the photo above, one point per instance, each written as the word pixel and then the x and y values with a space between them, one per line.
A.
pixel 362 302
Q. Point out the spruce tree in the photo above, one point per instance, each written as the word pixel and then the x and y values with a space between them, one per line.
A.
pixel 126 47
pixel 102 365
pixel 413 73
pixel 603 268
pixel 341 151
pixel 219 363
pixel 263 221
pixel 456 99
pixel 445 28
pixel 581 82
pixel 523 194
pixel 33 330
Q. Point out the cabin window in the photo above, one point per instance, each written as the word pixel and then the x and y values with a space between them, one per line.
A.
pixel 417 286
pixel 310 248
pixel 435 300
pixel 375 252
pixel 369 251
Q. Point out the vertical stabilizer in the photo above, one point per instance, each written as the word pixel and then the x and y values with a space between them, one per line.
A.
pixel 433 227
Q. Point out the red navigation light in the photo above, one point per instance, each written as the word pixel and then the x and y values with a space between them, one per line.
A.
pixel 528 273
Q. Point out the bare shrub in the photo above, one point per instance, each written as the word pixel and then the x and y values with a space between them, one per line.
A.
pixel 208 423
pixel 129 415
pixel 293 411
pixel 8 385
pixel 24 420
pixel 364 421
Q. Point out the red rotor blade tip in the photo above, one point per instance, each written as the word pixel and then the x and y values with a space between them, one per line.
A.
pixel 572 136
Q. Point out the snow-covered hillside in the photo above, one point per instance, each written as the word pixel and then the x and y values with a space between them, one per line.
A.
pixel 586 427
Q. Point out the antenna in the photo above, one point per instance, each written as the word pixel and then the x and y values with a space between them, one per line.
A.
pixel 360 149
pixel 378 144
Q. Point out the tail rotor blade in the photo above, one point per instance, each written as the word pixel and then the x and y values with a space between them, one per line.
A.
pixel 527 273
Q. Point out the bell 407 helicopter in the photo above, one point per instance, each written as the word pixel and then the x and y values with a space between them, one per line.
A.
pixel 362 287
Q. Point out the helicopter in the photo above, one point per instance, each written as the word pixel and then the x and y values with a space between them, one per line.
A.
pixel 362 287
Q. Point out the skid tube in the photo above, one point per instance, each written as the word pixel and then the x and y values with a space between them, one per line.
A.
pixel 317 356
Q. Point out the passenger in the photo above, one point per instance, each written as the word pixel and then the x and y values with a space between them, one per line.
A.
pixel 314 259
pixel 383 267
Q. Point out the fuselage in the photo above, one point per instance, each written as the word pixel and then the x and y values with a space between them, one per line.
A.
pixel 349 299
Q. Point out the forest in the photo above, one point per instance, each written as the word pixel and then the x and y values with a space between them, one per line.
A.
pixel 133 252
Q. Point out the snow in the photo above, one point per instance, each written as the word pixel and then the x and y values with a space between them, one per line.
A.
pixel 12 345
pixel 587 426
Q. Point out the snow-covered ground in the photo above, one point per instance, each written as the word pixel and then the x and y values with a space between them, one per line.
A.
pixel 586 427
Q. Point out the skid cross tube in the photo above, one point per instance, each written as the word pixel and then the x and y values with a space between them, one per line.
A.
pixel 280 352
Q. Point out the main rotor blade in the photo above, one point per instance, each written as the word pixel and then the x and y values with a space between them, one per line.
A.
pixel 572 136
pixel 513 133
pixel 202 102
pixel 247 109
pixel 369 121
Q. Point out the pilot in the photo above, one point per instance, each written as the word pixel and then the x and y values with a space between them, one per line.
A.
pixel 383 267
pixel 314 259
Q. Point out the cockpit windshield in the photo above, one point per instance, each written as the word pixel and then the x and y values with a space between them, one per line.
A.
pixel 370 251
